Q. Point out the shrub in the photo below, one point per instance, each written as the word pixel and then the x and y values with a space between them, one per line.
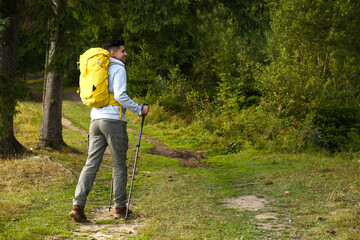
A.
pixel 338 123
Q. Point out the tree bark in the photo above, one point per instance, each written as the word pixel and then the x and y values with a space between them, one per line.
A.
pixel 50 132
pixel 9 146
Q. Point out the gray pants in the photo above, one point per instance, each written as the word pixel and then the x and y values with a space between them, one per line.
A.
pixel 103 133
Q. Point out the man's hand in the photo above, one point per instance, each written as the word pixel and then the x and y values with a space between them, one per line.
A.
pixel 144 109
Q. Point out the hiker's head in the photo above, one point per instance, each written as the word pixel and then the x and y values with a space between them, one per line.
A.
pixel 116 49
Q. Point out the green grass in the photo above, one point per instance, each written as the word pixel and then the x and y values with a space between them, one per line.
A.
pixel 318 186
pixel 35 193
pixel 314 196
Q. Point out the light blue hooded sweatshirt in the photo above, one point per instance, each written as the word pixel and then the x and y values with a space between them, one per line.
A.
pixel 117 86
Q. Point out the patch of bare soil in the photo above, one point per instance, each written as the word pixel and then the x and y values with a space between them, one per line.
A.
pixel 265 220
pixel 250 203
pixel 186 157
pixel 95 229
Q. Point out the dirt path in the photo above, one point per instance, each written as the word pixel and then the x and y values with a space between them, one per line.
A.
pixel 98 228
pixel 66 123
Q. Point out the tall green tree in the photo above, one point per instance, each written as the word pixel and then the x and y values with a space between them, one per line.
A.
pixel 50 132
pixel 10 88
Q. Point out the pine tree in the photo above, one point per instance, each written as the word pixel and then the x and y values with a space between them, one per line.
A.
pixel 9 146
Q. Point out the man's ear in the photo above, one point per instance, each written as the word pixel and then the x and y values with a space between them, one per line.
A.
pixel 112 53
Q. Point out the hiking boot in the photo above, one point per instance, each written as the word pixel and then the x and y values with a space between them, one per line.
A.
pixel 121 212
pixel 78 214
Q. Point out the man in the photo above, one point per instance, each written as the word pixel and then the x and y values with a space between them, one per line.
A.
pixel 108 128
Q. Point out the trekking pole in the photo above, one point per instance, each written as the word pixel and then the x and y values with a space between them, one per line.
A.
pixel 111 192
pixel 136 156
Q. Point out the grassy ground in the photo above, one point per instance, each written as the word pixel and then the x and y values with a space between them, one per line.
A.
pixel 310 196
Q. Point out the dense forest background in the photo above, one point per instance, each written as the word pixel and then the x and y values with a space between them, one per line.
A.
pixel 265 74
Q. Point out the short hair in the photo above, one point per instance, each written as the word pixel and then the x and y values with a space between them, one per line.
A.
pixel 113 44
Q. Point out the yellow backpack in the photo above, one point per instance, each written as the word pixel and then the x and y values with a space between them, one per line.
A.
pixel 93 84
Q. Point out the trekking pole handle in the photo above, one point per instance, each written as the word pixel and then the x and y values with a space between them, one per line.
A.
pixel 142 106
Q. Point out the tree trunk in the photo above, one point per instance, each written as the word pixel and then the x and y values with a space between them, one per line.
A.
pixel 9 146
pixel 50 132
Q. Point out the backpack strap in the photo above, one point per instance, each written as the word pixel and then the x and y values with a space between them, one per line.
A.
pixel 112 98
pixel 115 103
